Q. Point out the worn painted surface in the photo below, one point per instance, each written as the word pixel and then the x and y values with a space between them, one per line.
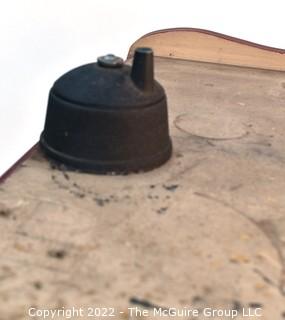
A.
pixel 205 230
pixel 208 46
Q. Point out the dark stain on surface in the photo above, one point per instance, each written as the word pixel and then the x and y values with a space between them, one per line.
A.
pixel 197 299
pixel 237 306
pixel 179 155
pixel 145 303
pixel 235 187
pixel 66 176
pixel 38 285
pixel 76 190
pixel 150 196
pixel 162 210
pixel 264 277
pixel 255 305
pixel 5 213
pixel 57 253
pixel 171 187
pixel 78 194
pixel 101 202
pixel 75 185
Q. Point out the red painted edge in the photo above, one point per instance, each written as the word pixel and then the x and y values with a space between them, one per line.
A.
pixel 212 33
pixel 7 173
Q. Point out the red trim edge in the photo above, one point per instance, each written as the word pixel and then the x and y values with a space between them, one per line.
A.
pixel 7 173
pixel 212 33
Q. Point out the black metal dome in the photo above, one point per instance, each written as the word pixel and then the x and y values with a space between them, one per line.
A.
pixel 108 117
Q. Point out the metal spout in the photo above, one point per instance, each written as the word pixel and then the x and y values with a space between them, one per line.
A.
pixel 142 69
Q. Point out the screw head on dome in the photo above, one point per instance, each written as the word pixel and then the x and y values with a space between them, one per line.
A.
pixel 110 61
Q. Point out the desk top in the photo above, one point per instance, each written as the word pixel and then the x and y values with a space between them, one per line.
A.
pixel 207 229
